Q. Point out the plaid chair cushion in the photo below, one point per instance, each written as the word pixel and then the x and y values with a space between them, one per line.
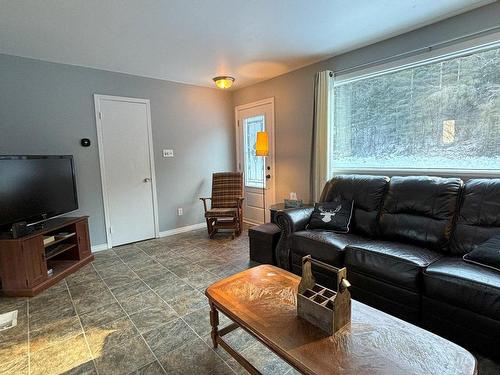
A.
pixel 221 212
pixel 226 188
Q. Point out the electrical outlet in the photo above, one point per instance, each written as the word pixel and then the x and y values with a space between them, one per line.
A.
pixel 168 153
pixel 179 211
pixel 8 320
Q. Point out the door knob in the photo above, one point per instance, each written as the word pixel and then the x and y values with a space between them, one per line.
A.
pixel 147 179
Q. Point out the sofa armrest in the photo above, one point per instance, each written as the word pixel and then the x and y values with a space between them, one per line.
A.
pixel 290 221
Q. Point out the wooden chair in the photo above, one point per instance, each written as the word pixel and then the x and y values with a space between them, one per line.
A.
pixel 226 203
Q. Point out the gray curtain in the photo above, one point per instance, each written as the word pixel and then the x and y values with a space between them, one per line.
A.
pixel 323 116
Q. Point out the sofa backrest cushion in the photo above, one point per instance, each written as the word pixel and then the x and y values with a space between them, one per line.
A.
pixel 367 192
pixel 420 210
pixel 479 215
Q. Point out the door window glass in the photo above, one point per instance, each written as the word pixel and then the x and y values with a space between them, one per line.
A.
pixel 254 165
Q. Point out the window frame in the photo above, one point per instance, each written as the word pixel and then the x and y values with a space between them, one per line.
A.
pixel 423 59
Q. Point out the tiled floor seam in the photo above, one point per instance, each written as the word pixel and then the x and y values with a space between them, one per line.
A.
pixel 128 316
pixel 83 330
pixel 180 317
pixel 29 343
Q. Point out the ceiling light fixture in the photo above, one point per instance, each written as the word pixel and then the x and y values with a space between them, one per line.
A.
pixel 223 82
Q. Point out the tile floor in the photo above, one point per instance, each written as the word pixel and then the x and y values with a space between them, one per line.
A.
pixel 137 309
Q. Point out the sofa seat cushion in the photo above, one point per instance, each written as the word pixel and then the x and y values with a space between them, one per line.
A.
pixel 221 212
pixel 325 246
pixel 464 285
pixel 391 262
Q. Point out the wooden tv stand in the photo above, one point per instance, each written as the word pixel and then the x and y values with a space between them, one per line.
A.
pixel 24 261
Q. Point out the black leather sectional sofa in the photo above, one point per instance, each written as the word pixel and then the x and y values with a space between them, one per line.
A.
pixel 404 251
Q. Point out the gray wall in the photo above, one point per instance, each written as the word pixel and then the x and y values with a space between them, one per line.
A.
pixel 46 108
pixel 293 92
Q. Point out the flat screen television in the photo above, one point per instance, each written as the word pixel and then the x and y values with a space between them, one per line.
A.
pixel 35 188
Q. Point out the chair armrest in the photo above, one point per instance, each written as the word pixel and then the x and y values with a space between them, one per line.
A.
pixel 290 220
pixel 204 200
pixel 240 201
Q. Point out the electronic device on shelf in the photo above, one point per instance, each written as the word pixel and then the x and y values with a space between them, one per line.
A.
pixel 35 188
pixel 48 239
pixel 20 229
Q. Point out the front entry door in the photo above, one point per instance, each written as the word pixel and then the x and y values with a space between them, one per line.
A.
pixel 258 171
pixel 127 171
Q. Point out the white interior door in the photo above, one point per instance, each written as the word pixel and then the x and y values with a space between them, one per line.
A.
pixel 127 171
pixel 258 171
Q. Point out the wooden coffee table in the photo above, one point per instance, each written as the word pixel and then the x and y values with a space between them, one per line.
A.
pixel 262 301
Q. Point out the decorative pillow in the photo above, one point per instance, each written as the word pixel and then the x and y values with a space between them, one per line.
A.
pixel 487 254
pixel 334 216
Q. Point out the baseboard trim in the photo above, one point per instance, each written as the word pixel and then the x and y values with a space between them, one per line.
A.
pixel 185 229
pixel 170 232
pixel 101 247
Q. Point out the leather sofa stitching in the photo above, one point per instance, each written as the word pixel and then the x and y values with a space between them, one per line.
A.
pixel 417 293
pixel 354 247
pixel 463 281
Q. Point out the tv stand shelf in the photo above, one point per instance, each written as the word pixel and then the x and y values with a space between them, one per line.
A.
pixel 63 238
pixel 25 261
pixel 58 250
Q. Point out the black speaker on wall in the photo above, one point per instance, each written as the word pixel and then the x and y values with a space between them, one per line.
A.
pixel 85 142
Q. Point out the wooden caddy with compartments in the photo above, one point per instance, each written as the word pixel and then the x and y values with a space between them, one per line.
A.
pixel 327 309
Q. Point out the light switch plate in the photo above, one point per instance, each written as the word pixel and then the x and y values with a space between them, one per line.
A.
pixel 168 153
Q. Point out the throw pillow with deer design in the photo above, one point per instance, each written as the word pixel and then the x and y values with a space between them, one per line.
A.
pixel 334 216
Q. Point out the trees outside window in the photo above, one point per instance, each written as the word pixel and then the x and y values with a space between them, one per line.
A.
pixel 443 115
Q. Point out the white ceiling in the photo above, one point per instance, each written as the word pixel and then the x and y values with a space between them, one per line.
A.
pixel 192 41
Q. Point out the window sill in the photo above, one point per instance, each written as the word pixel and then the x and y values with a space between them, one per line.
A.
pixel 419 172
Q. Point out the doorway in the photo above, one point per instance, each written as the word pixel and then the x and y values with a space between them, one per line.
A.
pixel 258 171
pixel 127 169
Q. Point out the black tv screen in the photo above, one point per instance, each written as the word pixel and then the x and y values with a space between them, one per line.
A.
pixel 34 188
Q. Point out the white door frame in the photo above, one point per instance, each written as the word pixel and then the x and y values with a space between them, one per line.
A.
pixel 98 121
pixel 239 146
